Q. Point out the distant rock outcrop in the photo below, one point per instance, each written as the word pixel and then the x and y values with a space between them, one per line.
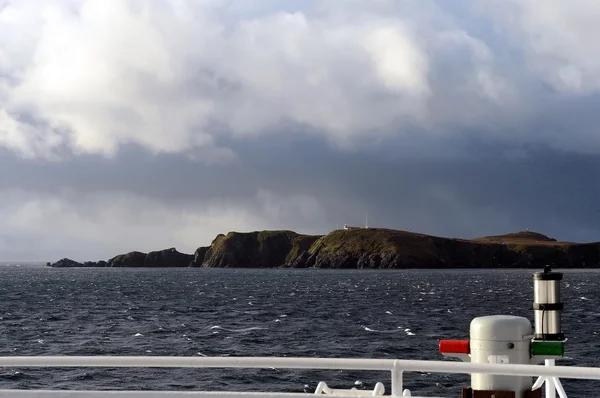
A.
pixel 168 258
pixel 366 248
pixel 65 263
pixel 131 259
pixel 101 263
pixel 68 263
pixel 155 259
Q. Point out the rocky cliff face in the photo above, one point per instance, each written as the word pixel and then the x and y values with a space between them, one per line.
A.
pixel 372 248
pixel 199 256
pixel 367 248
pixel 299 254
pixel 268 249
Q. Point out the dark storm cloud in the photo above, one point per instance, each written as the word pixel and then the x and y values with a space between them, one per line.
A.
pixel 489 192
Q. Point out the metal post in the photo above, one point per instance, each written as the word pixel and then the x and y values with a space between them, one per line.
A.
pixel 559 388
pixel 538 383
pixel 396 380
pixel 550 388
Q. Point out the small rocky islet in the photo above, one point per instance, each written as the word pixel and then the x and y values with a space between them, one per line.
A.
pixel 368 248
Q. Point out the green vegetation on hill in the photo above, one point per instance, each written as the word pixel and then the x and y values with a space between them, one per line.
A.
pixel 523 237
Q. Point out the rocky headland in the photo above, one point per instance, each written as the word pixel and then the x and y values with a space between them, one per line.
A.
pixel 373 248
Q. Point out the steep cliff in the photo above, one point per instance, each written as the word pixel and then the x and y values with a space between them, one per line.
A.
pixel 268 249
pixel 373 248
pixel 199 256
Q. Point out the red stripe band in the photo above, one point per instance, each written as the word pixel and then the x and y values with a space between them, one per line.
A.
pixel 454 346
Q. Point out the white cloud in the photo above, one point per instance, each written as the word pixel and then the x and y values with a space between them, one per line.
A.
pixel 27 139
pixel 163 74
pixel 186 76
pixel 559 39
pixel 399 64
pixel 106 73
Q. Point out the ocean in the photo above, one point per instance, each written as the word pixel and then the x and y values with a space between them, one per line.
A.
pixel 392 314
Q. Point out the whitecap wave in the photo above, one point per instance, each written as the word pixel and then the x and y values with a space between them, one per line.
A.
pixel 368 329
pixel 217 327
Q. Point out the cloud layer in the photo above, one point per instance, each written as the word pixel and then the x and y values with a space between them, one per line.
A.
pixel 89 76
pixel 164 122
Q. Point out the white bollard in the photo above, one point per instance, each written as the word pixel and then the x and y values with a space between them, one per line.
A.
pixel 501 339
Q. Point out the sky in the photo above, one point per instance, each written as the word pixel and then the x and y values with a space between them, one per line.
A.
pixel 148 124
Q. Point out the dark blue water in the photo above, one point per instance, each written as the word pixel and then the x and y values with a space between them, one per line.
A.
pixel 220 312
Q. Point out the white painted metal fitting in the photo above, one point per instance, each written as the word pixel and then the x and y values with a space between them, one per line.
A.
pixel 501 339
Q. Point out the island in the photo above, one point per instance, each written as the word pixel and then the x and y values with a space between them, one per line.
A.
pixel 364 248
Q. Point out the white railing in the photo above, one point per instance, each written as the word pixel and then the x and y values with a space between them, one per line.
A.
pixel 155 394
pixel 396 366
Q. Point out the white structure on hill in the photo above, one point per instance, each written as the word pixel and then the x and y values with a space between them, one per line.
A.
pixel 346 226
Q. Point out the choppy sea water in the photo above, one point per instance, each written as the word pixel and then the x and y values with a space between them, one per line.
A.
pixel 224 312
